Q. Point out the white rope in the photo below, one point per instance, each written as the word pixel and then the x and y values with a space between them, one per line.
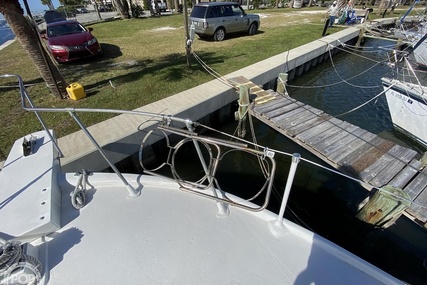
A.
pixel 212 72
pixel 342 79
pixel 338 74
pixel 370 100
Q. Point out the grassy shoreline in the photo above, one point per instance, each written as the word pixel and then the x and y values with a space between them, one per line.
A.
pixel 145 61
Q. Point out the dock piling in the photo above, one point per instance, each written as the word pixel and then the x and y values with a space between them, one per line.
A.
pixel 385 206
pixel 281 81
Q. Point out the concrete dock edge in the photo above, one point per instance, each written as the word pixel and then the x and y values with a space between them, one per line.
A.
pixel 121 136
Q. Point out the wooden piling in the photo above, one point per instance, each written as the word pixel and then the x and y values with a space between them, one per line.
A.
pixel 361 37
pixel 240 114
pixel 385 206
pixel 281 81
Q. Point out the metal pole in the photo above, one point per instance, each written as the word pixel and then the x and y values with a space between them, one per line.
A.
pixel 133 193
pixel 223 210
pixel 187 35
pixel 276 226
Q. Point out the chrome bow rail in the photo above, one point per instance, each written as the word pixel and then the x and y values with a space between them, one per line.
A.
pixel 209 166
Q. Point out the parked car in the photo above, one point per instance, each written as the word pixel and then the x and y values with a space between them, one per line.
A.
pixel 54 16
pixel 38 18
pixel 70 40
pixel 162 6
pixel 216 19
pixel 82 10
pixel 104 8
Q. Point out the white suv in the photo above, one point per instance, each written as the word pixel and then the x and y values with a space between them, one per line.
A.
pixel 220 18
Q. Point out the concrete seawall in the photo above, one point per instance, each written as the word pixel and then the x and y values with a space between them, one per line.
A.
pixel 121 136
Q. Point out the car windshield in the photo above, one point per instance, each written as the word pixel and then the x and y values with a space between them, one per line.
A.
pixel 59 30
pixel 198 12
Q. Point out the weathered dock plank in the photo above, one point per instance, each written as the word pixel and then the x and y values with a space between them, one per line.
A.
pixel 417 190
pixel 417 185
pixel 406 174
pixel 352 150
pixel 278 114
pixel 317 131
pixel 299 116
pixel 290 110
pixel 299 128
pixel 387 166
pixel 367 154
pixel 335 140
pixel 272 105
pixel 357 140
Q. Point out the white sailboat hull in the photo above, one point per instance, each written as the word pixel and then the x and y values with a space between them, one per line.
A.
pixel 408 107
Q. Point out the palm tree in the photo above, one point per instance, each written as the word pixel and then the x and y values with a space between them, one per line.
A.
pixel 28 38
pixel 49 4
pixel 123 8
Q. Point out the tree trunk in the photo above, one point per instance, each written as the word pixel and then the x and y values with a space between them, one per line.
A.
pixel 123 8
pixel 28 38
pixel 176 2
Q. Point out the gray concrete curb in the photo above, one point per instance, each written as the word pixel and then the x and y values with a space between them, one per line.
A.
pixel 120 136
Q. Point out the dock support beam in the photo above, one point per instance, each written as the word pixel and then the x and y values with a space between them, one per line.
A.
pixel 385 207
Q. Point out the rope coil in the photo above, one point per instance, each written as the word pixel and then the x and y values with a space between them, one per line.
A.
pixel 13 260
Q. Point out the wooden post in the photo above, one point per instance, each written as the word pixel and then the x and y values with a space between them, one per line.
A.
pixel 386 205
pixel 240 115
pixel 423 159
pixel 281 81
pixel 361 37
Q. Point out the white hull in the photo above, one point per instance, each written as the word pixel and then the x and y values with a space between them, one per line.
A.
pixel 408 107
pixel 420 54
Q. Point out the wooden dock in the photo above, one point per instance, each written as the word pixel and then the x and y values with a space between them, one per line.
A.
pixel 346 147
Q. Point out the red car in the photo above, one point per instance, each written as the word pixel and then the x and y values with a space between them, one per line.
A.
pixel 70 40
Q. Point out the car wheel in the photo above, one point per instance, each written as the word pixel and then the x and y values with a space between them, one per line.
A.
pixel 253 29
pixel 219 34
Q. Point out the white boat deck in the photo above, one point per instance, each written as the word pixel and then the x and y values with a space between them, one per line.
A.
pixel 167 236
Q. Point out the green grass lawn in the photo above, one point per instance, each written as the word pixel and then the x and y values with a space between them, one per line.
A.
pixel 144 61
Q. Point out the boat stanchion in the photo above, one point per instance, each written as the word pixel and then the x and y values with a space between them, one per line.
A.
pixel 133 193
pixel 223 210
pixel 277 227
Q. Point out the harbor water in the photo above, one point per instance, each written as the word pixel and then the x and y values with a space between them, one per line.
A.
pixel 6 33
